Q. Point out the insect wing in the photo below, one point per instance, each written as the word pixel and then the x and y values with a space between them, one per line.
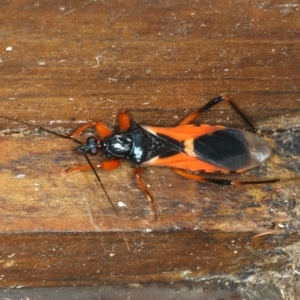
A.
pixel 209 148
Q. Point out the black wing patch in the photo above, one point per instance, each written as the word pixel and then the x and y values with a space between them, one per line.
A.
pixel 226 148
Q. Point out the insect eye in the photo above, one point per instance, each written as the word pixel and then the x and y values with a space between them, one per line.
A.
pixel 93 151
pixel 92 142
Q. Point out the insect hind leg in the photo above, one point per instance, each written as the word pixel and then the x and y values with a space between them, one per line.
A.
pixel 212 103
pixel 200 178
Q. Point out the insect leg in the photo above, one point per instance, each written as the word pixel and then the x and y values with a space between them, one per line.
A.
pixel 124 121
pixel 137 174
pixel 102 130
pixel 222 181
pixel 210 104
pixel 105 165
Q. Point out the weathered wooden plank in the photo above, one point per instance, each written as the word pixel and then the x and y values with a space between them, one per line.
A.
pixel 100 258
pixel 76 61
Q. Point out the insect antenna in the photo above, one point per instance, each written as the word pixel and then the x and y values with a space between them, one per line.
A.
pixel 111 203
pixel 87 159
pixel 43 129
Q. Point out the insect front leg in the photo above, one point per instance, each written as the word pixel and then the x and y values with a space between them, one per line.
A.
pixel 102 130
pixel 109 165
pixel 137 174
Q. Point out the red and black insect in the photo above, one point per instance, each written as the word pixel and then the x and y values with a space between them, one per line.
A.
pixel 185 148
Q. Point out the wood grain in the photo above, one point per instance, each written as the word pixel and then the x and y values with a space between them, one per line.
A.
pixel 74 61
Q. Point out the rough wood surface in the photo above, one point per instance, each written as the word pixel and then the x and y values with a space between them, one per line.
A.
pixel 63 64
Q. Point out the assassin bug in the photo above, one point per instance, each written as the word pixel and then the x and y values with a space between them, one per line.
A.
pixel 185 148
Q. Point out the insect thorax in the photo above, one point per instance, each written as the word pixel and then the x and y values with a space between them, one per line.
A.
pixel 134 144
